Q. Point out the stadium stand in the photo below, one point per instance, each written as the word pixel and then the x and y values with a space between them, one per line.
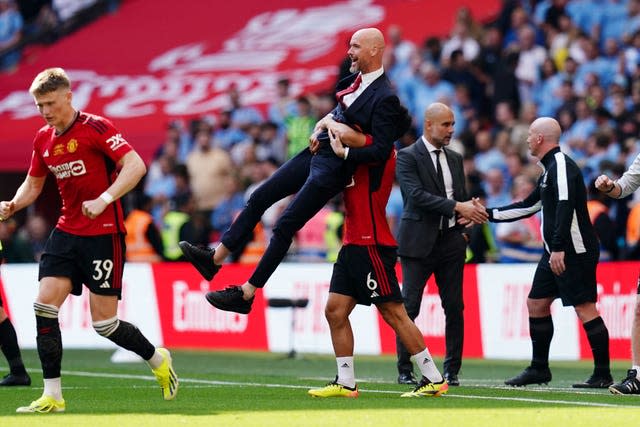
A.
pixel 574 60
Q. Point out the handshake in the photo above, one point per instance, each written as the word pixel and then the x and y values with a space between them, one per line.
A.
pixel 471 212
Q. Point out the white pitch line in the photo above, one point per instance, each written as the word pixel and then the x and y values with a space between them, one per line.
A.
pixel 560 402
pixel 291 386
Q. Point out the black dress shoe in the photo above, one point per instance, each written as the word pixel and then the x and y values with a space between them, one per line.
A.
pixel 12 380
pixel 230 299
pixel 452 379
pixel 530 376
pixel 201 258
pixel 407 378
pixel 596 381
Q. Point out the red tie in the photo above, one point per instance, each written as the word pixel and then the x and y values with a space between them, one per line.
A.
pixel 352 88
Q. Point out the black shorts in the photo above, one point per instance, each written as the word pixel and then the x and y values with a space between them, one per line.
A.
pixel 367 274
pixel 575 286
pixel 96 261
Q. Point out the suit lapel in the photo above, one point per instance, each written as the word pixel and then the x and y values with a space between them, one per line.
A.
pixel 368 93
pixel 426 161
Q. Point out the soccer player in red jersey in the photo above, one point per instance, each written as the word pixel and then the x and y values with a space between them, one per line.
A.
pixel 94 166
pixel 364 273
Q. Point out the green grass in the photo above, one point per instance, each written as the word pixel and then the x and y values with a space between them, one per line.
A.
pixel 264 389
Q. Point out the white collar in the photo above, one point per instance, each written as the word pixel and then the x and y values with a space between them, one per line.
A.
pixel 430 147
pixel 368 78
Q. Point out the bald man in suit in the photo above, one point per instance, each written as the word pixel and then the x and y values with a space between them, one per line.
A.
pixel 430 241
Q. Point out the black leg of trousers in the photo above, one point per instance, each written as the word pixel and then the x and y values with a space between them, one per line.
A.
pixel 308 202
pixel 415 273
pixel 447 263
pixel 448 275
pixel 287 180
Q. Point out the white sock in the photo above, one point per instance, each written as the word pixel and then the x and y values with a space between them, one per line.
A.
pixel 53 387
pixel 426 366
pixel 156 360
pixel 637 368
pixel 346 375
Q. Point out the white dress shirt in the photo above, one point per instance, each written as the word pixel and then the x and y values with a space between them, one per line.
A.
pixel 349 98
pixel 446 172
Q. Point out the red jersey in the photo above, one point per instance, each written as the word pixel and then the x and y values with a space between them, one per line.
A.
pixel 365 201
pixel 83 160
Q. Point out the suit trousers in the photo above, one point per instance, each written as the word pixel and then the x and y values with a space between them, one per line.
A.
pixel 314 179
pixel 446 262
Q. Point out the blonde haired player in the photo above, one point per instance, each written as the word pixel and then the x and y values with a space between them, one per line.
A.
pixel 94 166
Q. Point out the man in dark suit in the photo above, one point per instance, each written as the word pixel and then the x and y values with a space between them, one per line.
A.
pixel 430 241
pixel 368 103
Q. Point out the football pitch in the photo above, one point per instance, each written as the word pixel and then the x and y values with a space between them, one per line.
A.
pixel 267 389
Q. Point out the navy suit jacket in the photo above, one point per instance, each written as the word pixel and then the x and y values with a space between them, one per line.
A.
pixel 377 112
pixel 422 204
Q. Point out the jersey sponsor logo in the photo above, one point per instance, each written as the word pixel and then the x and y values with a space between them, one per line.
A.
pixel 116 141
pixel 58 149
pixel 69 169
pixel 72 146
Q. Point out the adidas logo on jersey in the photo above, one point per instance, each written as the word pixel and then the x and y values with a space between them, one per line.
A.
pixel 105 285
pixel 374 294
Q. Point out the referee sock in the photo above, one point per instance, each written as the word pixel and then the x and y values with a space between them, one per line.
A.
pixel 10 349
pixel 541 332
pixel 49 340
pixel 346 373
pixel 598 336
pixel 428 369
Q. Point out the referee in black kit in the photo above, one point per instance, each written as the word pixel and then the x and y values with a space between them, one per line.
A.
pixel 567 269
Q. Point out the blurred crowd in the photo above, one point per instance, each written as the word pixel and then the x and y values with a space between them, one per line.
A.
pixel 577 61
pixel 26 22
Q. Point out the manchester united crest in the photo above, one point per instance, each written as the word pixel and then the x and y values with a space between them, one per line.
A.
pixel 72 146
